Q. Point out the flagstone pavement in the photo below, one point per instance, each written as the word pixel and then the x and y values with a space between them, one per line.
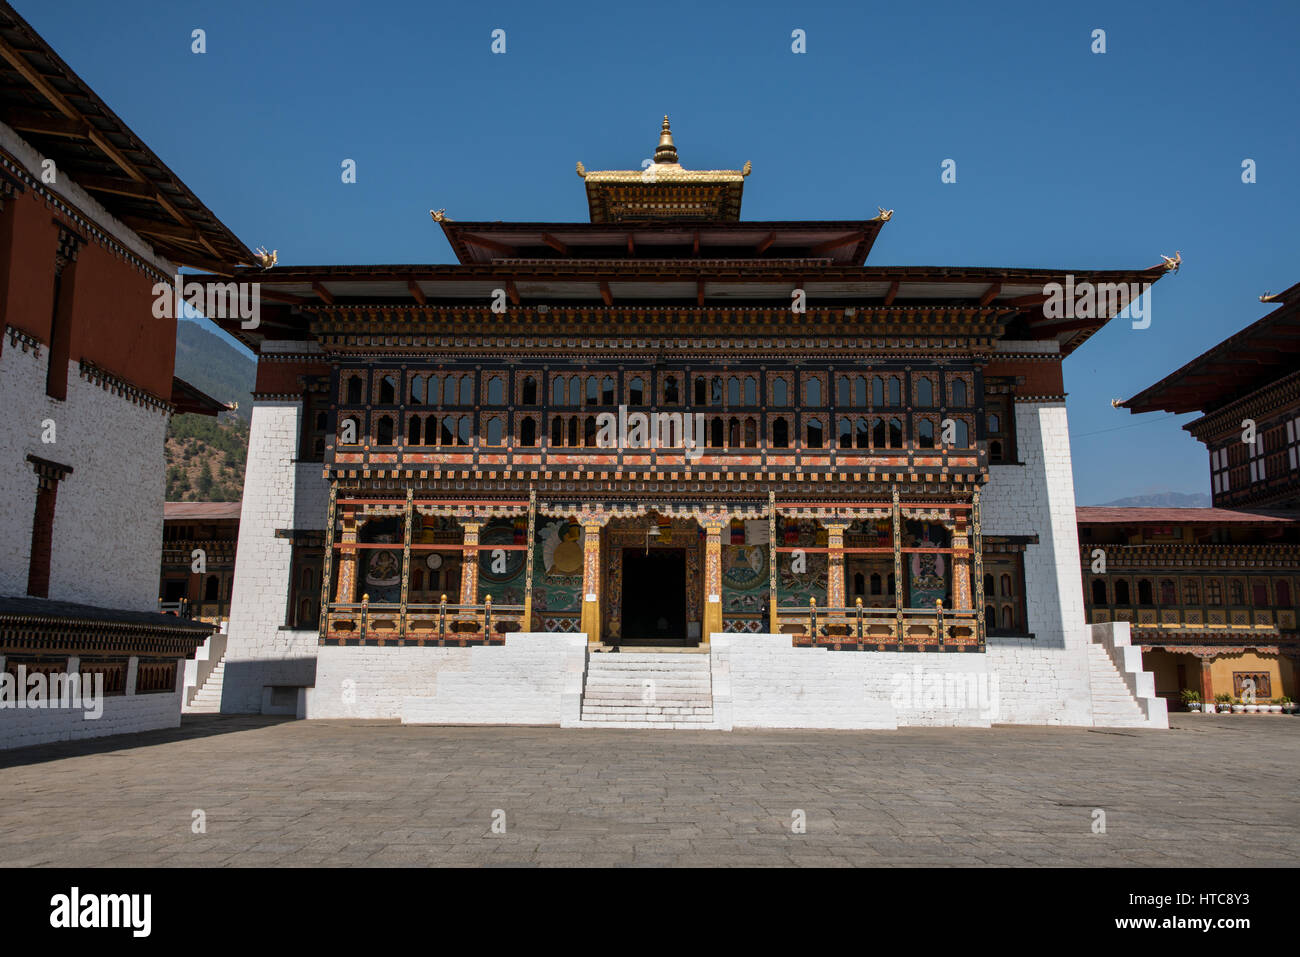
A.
pixel 1210 791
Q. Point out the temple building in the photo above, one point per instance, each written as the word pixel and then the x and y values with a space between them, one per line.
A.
pixel 198 560
pixel 91 221
pixel 794 489
pixel 1211 592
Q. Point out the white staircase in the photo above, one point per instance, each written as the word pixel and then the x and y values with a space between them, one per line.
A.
pixel 1123 695
pixel 635 690
pixel 207 699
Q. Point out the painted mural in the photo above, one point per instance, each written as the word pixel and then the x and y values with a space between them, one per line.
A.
pixel 927 574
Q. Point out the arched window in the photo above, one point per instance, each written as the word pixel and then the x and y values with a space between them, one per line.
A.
pixel 1168 594
pixel 670 391
pixel 496 391
pixel 715 433
pixel 494 431
pixel 876 585
pixel 446 435
pixel 434 393
pixel 879 437
pixel 958 390
pixel 845 391
pixel 575 391
pixel 1236 594
pixel 895 434
pixel 1005 583
pixel 862 434
pixel 1191 592
pixel 751 434
pixel 733 433
pixel 877 391
pixel 593 390
pixel 780 434
pixel 557 431
pixel 715 390
pixel 1099 591
pixel 751 391
pixel 528 433
pixel 988 584
pixel 995 451
pixel 890 583
pixel 530 391
pixel 1283 594
pixel 557 391
pixel 387 390
pixel 573 430
pixel 467 390
pixel 961 434
pixel 1121 592
pixel 990 617
pixel 1008 623
pixel 636 392
pixel 701 390
pixel 384 430
pixel 813 392
pixel 210 588
pixel 463 431
pixel 733 391
pixel 418 384
pixel 413 430
pixel 607 391
pixel 859 391
pixel 924 392
pixel 780 392
pixel 355 389
pixel 1144 591
pixel 859 584
pixel 816 435
pixel 925 433
pixel 895 391
pixel 845 433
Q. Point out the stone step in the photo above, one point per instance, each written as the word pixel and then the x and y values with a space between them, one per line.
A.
pixel 651 725
pixel 648 709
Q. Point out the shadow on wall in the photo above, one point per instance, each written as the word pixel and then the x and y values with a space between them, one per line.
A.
pixel 265 686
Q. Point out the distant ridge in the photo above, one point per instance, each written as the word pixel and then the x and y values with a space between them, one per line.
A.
pixel 207 362
pixel 1162 500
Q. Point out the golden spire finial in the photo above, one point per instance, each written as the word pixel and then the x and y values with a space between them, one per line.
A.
pixel 666 152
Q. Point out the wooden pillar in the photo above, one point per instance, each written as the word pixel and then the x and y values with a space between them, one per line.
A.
pixel 771 561
pixel 713 525
pixel 961 595
pixel 527 624
pixel 898 567
pixel 327 564
pixel 347 584
pixel 469 564
pixel 977 546
pixel 1207 683
pixel 406 564
pixel 590 622
pixel 835 561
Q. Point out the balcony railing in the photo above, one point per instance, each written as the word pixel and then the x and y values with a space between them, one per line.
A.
pixel 880 629
pixel 212 612
pixel 380 623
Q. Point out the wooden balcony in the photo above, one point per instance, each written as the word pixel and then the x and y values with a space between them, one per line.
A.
pixel 881 629
pixel 374 623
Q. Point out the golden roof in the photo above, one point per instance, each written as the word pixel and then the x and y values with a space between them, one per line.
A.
pixel 664 190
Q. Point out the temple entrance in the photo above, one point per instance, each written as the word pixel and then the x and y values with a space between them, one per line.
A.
pixel 654 597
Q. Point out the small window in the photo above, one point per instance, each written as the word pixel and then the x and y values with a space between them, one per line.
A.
pixel 924 392
pixel 1099 591
pixel 859 391
pixel 387 390
pixel 733 391
pixel 575 391
pixel 464 430
pixel 895 434
pixel 715 433
pixel 467 390
pixel 530 391
pixel 593 391
pixel 607 391
pixel 670 391
pixel 701 390
pixel 1213 592
pixel 845 391
pixel 494 431
pixel 958 389
pixel 636 392
pixel 1121 592
pixel 528 433
pixel 557 391
pixel 780 434
pixel 1168 594
pixel 418 385
pixel 877 391
pixel 751 391
pixel 496 392
pixel 1144 591
pixel 815 435
pixel 557 431
pixel 925 434
pixel 862 434
pixel 1283 595
pixel 384 430
pixel 813 392
pixel 355 389
pixel 413 430
pixel 895 391
pixel 780 392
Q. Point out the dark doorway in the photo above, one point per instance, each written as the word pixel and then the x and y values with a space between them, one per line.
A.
pixel 654 595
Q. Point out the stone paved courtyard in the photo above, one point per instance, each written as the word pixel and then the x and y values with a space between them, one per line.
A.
pixel 1212 790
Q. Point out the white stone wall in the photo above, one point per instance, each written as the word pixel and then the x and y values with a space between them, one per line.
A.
pixel 122 714
pixel 763 681
pixel 279 493
pixel 107 543
pixel 533 678
pixel 1043 680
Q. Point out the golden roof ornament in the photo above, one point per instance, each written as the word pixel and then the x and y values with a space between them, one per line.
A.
pixel 885 214
pixel 666 151
pixel 264 259
pixel 1172 262
pixel 440 215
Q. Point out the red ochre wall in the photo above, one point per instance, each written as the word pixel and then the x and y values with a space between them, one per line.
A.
pixel 282 378
pixel 1042 376
pixel 112 320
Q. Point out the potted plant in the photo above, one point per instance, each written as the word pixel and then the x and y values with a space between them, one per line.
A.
pixel 1286 705
pixel 1191 700
pixel 1275 706
pixel 1238 707
pixel 1224 702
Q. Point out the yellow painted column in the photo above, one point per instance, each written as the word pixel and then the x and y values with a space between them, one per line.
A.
pixel 346 589
pixel 590 622
pixel 469 564
pixel 713 526
pixel 961 596
pixel 835 562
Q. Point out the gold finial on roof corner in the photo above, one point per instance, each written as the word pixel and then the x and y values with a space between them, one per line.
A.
pixel 748 168
pixel 666 151
pixel 885 214
pixel 1171 263
pixel 582 170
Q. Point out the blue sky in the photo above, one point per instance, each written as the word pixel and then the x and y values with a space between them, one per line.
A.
pixel 1065 158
